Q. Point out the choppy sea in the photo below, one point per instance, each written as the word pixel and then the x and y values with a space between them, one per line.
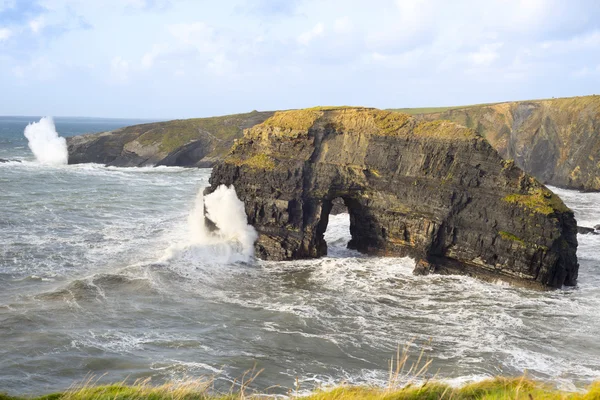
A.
pixel 103 273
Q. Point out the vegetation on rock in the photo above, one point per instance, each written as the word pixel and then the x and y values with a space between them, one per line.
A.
pixel 539 200
pixel 259 161
pixel 188 142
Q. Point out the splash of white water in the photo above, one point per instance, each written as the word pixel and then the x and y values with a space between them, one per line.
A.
pixel 232 241
pixel 44 142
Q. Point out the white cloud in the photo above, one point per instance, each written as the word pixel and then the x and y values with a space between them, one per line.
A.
pixel 135 3
pixel 589 40
pixel 37 24
pixel 195 44
pixel 150 57
pixel 486 55
pixel 6 4
pixel 308 36
pixel 196 34
pixel 403 60
pixel 5 34
pixel 342 25
pixel 40 68
pixel 119 70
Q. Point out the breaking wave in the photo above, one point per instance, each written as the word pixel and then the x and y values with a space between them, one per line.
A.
pixel 47 147
pixel 232 239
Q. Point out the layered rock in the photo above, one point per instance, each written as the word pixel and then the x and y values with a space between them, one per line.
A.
pixel 198 142
pixel 556 140
pixel 435 191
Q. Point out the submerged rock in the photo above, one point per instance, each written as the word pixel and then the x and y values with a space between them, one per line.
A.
pixel 435 191
pixel 584 230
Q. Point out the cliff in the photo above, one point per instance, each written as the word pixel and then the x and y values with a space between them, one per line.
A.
pixel 435 191
pixel 198 142
pixel 556 140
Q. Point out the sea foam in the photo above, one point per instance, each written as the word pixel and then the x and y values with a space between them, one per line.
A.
pixel 47 147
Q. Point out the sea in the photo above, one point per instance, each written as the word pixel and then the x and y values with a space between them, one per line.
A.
pixel 107 275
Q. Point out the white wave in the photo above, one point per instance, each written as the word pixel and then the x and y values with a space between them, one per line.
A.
pixel 44 142
pixel 232 240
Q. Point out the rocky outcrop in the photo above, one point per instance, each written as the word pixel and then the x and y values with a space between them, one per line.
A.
pixel 584 230
pixel 435 191
pixel 557 140
pixel 196 142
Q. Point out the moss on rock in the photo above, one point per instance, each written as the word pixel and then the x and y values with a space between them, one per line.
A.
pixel 539 200
pixel 259 161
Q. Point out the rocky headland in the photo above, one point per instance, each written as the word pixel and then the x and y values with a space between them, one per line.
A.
pixel 555 140
pixel 198 142
pixel 432 190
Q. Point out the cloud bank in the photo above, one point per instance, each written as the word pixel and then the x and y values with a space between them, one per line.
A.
pixel 167 59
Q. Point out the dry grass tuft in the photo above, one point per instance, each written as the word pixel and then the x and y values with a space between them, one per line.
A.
pixel 405 382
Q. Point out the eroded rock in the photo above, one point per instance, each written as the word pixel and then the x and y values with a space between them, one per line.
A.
pixel 435 191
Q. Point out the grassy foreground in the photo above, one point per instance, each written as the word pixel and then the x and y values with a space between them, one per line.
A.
pixel 496 389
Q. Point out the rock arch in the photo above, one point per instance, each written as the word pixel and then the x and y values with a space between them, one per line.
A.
pixel 435 191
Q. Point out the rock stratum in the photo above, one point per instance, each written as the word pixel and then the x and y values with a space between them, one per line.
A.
pixel 555 140
pixel 198 142
pixel 435 191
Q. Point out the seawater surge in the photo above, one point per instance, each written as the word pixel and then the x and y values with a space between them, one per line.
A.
pixel 110 272
pixel 45 143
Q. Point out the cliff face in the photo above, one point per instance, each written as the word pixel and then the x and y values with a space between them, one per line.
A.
pixel 196 142
pixel 433 190
pixel 557 141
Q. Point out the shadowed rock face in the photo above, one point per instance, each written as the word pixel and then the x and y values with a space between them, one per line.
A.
pixel 435 191
pixel 556 140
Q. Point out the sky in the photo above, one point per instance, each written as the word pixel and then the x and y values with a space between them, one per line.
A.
pixel 163 59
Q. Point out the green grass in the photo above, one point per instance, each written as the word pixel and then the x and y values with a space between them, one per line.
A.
pixel 510 236
pixel 539 200
pixel 492 389
pixel 436 110
pixel 259 161
pixel 423 110
pixel 576 101
pixel 174 134
pixel 171 135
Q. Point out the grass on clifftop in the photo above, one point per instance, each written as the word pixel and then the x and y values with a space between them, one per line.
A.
pixel 493 389
pixel 172 135
pixel 360 119
pixel 576 102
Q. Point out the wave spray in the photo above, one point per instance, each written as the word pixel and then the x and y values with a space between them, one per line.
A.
pixel 47 147
pixel 232 240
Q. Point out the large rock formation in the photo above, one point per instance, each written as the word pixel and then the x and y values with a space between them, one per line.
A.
pixel 435 191
pixel 198 142
pixel 556 140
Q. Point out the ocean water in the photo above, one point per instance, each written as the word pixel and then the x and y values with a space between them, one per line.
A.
pixel 106 272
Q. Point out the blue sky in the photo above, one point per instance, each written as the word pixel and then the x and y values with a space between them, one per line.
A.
pixel 180 58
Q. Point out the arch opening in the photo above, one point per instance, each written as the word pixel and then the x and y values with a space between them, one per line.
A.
pixel 336 222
